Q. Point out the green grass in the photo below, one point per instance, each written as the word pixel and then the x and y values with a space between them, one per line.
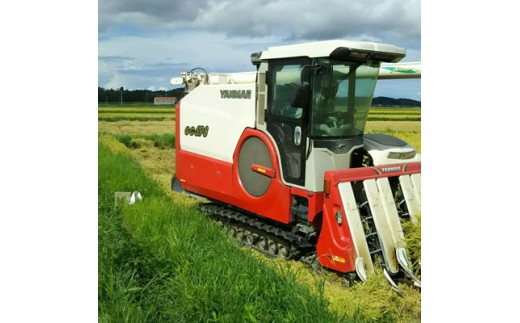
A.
pixel 163 262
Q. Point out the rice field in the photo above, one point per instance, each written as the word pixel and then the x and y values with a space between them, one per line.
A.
pixel 135 113
pixel 154 257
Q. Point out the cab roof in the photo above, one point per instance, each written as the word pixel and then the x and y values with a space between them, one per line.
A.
pixel 337 49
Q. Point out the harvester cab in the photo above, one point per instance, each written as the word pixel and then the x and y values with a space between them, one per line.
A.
pixel 283 149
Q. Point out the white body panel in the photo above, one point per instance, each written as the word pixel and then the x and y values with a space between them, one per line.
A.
pixel 380 157
pixel 321 160
pixel 314 171
pixel 232 78
pixel 356 227
pixel 411 186
pixel 226 110
pixel 380 152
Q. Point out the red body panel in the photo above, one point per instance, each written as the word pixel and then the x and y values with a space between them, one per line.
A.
pixel 364 173
pixel 335 247
pixel 219 180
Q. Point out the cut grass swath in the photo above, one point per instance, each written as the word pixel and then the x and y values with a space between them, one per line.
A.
pixel 126 127
pixel 158 140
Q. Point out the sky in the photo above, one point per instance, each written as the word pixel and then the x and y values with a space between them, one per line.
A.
pixel 143 44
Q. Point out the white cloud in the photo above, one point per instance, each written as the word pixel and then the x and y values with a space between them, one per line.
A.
pixel 115 82
pixel 143 44
pixel 119 57
pixel 302 19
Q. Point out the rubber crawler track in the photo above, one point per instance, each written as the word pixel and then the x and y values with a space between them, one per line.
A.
pixel 298 247
pixel 253 231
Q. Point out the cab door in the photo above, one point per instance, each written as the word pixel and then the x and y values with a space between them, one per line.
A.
pixel 286 118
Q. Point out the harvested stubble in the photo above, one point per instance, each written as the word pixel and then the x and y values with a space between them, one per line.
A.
pixel 127 127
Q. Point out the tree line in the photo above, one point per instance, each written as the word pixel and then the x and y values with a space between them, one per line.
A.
pixel 133 96
pixel 383 101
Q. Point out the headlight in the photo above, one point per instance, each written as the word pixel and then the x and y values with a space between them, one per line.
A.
pixel 406 155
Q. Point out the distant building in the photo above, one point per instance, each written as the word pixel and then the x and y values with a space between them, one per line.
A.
pixel 164 100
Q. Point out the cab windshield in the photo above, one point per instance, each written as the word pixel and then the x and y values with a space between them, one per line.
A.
pixel 341 96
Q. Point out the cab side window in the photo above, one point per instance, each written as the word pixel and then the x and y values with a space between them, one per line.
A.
pixel 284 80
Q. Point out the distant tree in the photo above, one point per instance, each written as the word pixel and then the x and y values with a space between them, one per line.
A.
pixel 112 96
pixel 390 102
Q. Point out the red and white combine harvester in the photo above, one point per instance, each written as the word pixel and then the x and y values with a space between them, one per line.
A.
pixel 281 156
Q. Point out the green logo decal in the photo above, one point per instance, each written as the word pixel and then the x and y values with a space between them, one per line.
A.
pixel 402 70
pixel 197 132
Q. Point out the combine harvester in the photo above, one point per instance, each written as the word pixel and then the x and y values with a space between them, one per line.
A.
pixel 280 156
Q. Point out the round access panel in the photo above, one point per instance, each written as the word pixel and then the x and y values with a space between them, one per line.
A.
pixel 254 151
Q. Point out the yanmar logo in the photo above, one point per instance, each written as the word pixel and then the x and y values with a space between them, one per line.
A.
pixel 391 169
pixel 235 94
